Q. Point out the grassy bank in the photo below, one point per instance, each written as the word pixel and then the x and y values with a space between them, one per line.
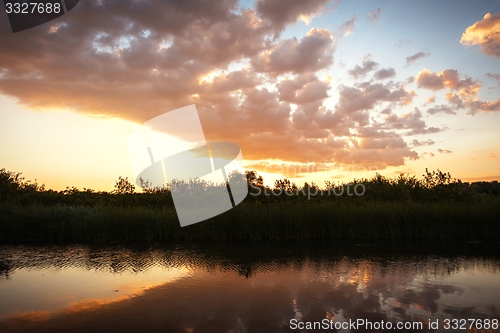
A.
pixel 368 220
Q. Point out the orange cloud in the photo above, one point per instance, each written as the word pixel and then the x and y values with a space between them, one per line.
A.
pixel 230 62
pixel 447 78
pixel 430 100
pixel 468 89
pixel 485 33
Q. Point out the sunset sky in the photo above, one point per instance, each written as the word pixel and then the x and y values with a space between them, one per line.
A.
pixel 312 90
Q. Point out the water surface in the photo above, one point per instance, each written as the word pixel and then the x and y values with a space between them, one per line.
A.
pixel 244 287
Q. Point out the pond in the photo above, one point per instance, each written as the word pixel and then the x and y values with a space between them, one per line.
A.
pixel 251 287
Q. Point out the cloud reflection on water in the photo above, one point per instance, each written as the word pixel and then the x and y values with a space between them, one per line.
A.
pixel 236 288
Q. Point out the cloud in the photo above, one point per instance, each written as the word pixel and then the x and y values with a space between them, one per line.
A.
pixel 374 15
pixel 466 96
pixel 455 100
pixel 311 53
pixel 441 109
pixel 411 122
pixel 427 153
pixel 366 95
pixel 304 89
pixel 402 42
pixel 134 71
pixel 139 59
pixel 447 78
pixel 384 73
pixel 472 104
pixel 376 146
pixel 494 76
pixel 346 28
pixel 483 106
pixel 288 170
pixel 312 132
pixel 367 66
pixel 430 100
pixel 417 143
pixel 444 151
pixel 411 59
pixel 485 33
pixel 280 13
pixel 315 133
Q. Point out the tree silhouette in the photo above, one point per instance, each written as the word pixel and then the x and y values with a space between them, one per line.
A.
pixel 123 186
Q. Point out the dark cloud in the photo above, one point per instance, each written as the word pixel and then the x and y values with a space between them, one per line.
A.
pixel 384 73
pixel 417 143
pixel 366 95
pixel 311 53
pixel 280 13
pixel 411 59
pixel 444 151
pixel 412 123
pixel 494 76
pixel 134 61
pixel 367 66
pixel 441 109
pixel 410 79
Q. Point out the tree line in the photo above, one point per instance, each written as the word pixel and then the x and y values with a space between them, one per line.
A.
pixel 433 186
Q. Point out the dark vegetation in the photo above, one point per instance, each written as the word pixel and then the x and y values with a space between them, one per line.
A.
pixel 435 207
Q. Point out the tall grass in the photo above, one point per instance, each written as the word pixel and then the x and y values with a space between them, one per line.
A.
pixel 368 220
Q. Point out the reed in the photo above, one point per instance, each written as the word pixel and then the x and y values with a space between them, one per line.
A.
pixel 252 221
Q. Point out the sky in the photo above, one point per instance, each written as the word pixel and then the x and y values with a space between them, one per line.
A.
pixel 310 90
